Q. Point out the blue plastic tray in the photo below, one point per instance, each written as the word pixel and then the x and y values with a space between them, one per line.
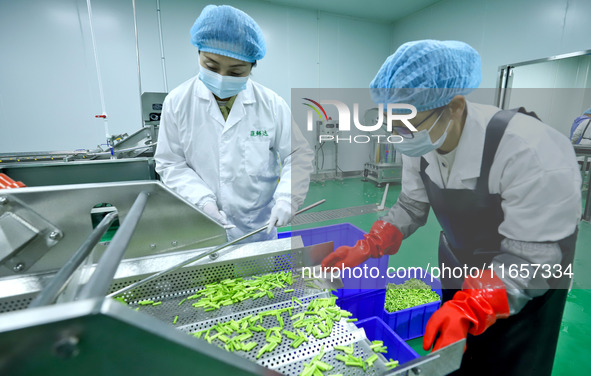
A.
pixel 377 330
pixel 407 323
pixel 342 234
pixel 367 304
pixel 411 322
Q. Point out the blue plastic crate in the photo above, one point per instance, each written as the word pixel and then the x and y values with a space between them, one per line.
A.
pixel 377 330
pixel 411 322
pixel 363 305
pixel 342 234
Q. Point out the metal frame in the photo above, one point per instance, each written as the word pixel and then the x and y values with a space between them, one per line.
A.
pixel 58 282
pixel 70 337
pixel 383 173
pixel 26 236
pixel 17 292
pixel 101 279
pixel 504 75
pixel 170 222
pixel 103 337
pixel 61 172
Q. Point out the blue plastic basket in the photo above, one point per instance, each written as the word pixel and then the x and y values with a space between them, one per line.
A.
pixel 411 322
pixel 367 304
pixel 342 234
pixel 377 330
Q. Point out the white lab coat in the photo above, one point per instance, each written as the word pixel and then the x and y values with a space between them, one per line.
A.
pixel 237 163
pixel 534 170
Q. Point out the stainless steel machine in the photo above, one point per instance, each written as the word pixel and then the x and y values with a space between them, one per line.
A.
pixel 43 173
pixel 125 157
pixel 55 319
pixel 140 145
pixel 326 134
pixel 384 165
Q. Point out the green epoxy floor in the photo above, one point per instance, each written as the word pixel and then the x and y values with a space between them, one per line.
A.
pixel 573 355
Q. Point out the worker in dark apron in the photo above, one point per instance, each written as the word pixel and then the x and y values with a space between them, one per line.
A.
pixel 505 189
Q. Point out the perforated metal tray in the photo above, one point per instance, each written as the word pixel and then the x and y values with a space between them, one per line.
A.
pixel 173 288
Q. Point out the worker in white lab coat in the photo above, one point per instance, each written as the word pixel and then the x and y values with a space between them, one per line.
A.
pixel 227 143
pixel 505 188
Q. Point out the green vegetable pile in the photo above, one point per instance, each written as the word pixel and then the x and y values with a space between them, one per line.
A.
pixel 316 366
pixel 411 293
pixel 317 320
pixel 235 290
pixel 350 360
pixel 319 317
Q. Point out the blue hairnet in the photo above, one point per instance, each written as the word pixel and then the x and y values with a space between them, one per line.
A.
pixel 427 74
pixel 225 30
pixel 587 111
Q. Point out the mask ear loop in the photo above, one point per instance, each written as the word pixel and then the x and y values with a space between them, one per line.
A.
pixel 437 120
pixel 444 135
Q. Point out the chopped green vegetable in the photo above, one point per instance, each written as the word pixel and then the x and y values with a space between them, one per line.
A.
pixel 380 349
pixel 249 346
pixel 411 293
pixel 342 358
pixel 391 364
pixel 316 366
pixel 156 304
pixel 275 340
pixel 261 352
pixel 121 299
pixel 323 366
pixel 289 334
pixel 175 319
pixel 297 342
pixel 298 301
pixel 347 349
pixel 146 302
pixel 371 359
pixel 231 291
pixel 224 338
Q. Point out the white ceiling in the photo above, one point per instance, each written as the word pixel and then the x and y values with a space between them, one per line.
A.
pixel 380 10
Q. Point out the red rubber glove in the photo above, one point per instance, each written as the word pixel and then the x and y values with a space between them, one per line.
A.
pixel 383 239
pixel 481 302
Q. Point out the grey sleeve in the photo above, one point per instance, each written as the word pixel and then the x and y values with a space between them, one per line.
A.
pixel 526 284
pixel 407 214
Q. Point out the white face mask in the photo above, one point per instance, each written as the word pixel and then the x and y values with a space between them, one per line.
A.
pixel 222 86
pixel 421 143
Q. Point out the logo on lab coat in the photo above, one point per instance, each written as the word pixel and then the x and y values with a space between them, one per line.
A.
pixel 259 133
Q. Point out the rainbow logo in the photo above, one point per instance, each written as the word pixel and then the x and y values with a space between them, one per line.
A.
pixel 316 109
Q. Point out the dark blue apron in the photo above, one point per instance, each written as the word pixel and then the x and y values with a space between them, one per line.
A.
pixel 525 343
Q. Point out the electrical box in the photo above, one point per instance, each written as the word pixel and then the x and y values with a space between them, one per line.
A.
pixel 152 107
pixel 329 127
